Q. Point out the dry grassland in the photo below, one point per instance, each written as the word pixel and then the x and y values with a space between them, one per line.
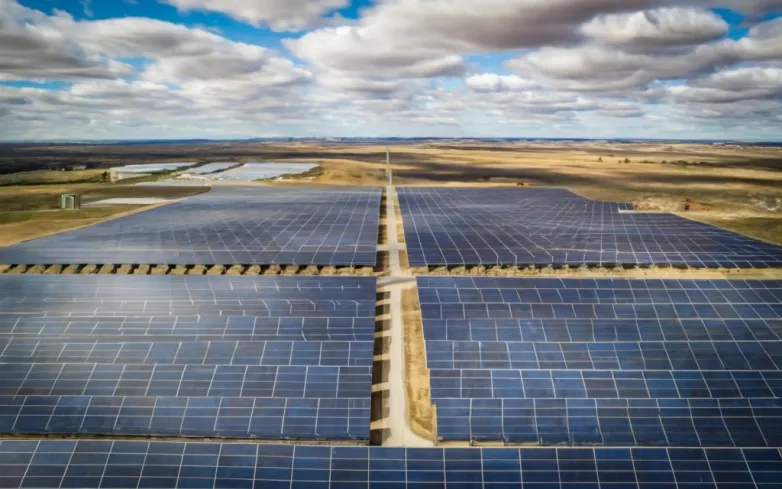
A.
pixel 45 177
pixel 421 412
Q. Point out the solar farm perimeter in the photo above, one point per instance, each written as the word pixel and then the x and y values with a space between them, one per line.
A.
pixel 269 381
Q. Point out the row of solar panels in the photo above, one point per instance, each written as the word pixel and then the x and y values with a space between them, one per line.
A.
pixel 518 227
pixel 219 386
pixel 443 226
pixel 247 357
pixel 634 362
pixel 133 465
pixel 75 356
pixel 237 225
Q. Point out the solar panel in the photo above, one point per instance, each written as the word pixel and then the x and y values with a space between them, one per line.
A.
pixel 236 325
pixel 237 225
pixel 133 464
pixel 519 227
pixel 294 418
pixel 263 171
pixel 614 422
pixel 113 355
pixel 642 355
pixel 130 379
pixel 211 168
pixel 152 167
pixel 605 361
pixel 249 353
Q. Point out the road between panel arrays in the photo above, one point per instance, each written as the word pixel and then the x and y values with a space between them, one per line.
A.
pixel 394 284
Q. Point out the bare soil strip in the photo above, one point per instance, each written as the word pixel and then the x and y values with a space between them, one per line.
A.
pixel 602 272
pixel 419 402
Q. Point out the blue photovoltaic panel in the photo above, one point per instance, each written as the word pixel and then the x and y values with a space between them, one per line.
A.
pixel 538 226
pixel 134 464
pixel 211 168
pixel 152 167
pixel 643 355
pixel 605 361
pixel 270 357
pixel 129 379
pixel 614 421
pixel 263 171
pixel 237 225
pixel 239 325
pixel 235 417
pixel 250 353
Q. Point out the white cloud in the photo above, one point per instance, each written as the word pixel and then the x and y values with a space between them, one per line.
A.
pixel 31 46
pixel 279 14
pixel 404 34
pixel 596 67
pixel 407 67
pixel 395 34
pixel 181 53
pixel 662 27
pixel 490 82
pixel 737 85
pixel 347 84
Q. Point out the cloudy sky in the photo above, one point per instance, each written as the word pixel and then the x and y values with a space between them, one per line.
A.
pixel 128 69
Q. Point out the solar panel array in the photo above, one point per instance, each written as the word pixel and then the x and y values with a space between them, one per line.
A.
pixel 132 465
pixel 153 167
pixel 263 171
pixel 605 361
pixel 519 227
pixel 211 168
pixel 272 357
pixel 236 225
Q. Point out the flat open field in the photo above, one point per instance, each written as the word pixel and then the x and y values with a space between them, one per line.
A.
pixel 738 187
pixel 30 201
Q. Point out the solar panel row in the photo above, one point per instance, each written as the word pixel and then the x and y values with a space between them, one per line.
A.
pixel 603 384
pixel 616 422
pixel 132 465
pixel 211 168
pixel 332 353
pixel 604 330
pixel 658 362
pixel 83 326
pixel 183 380
pixel 227 226
pixel 260 308
pixel 597 311
pixel 507 226
pixel 251 172
pixel 186 416
pixel 112 355
pixel 645 355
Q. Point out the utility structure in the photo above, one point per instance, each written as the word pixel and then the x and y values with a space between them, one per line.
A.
pixel 70 202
